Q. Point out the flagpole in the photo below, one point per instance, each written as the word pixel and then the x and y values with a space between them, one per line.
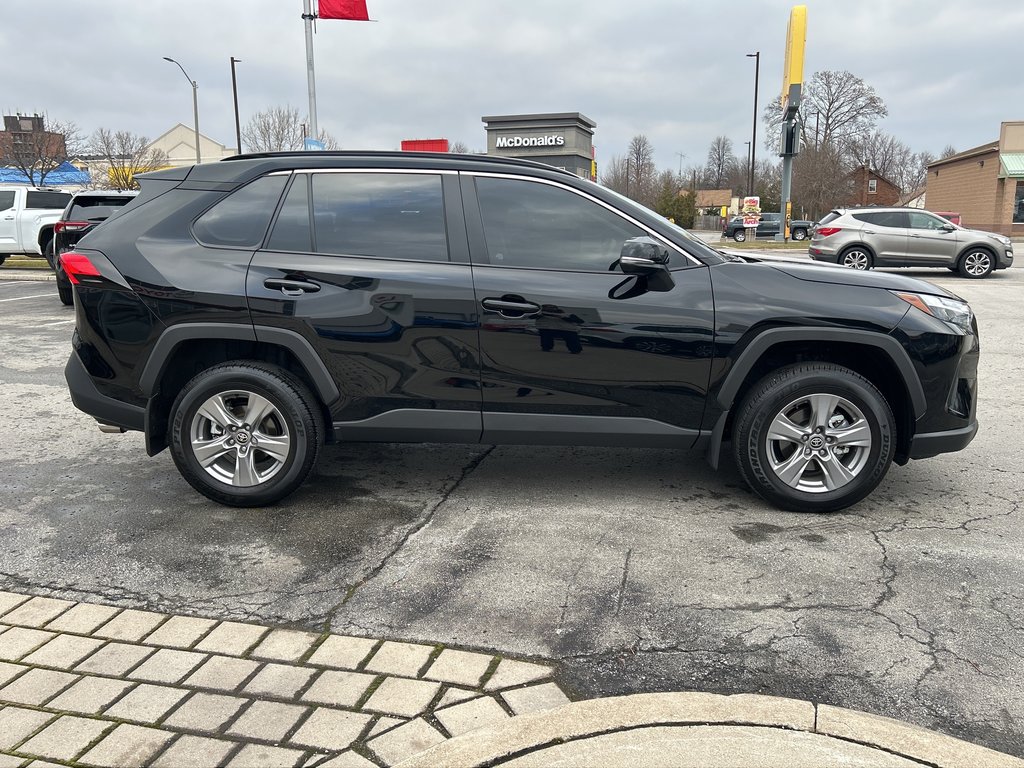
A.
pixel 308 17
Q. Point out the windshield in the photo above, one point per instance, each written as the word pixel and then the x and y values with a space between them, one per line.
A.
pixel 694 244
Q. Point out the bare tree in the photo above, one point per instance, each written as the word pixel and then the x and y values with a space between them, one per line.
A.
pixel 822 178
pixel 721 162
pixel 124 154
pixel 458 147
pixel 280 129
pixel 837 109
pixel 947 151
pixel 38 152
pixel 641 171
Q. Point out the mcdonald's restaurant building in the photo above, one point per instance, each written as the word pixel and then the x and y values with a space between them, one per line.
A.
pixel 562 139
pixel 985 185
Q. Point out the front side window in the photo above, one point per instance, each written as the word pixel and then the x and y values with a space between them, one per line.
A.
pixel 1018 205
pixel 241 219
pixel 386 215
pixel 529 224
pixel 925 221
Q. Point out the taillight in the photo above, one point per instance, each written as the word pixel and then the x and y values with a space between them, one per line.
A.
pixel 826 231
pixel 77 265
pixel 70 226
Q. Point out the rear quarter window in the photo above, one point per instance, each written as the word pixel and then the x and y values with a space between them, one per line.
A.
pixel 240 220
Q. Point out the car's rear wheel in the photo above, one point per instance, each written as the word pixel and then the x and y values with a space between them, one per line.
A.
pixel 245 434
pixel 814 437
pixel 64 290
pixel 976 263
pixel 799 233
pixel 739 235
pixel 856 258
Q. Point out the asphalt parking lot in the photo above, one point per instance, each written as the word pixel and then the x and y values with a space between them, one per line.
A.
pixel 632 570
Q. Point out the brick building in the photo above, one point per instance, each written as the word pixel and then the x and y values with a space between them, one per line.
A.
pixel 985 185
pixel 25 139
pixel 871 188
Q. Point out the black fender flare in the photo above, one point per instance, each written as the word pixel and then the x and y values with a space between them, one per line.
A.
pixel 760 344
pixel 172 337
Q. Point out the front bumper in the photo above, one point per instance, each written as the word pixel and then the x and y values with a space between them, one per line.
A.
pixel 924 446
pixel 1004 259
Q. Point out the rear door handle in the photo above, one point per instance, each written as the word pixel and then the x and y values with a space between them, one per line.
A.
pixel 290 287
pixel 514 308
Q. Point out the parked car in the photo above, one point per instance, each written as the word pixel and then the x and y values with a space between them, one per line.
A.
pixel 83 213
pixel 862 238
pixel 768 227
pixel 27 216
pixel 232 312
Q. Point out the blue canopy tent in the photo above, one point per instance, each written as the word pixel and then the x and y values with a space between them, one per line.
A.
pixel 64 174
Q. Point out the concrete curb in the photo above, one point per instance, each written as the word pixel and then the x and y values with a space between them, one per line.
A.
pixel 790 726
pixel 32 275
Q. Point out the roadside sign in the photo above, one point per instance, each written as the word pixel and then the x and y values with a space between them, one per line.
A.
pixel 751 222
pixel 751 204
pixel 793 69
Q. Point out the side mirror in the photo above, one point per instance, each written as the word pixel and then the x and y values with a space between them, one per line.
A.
pixel 643 255
pixel 947 228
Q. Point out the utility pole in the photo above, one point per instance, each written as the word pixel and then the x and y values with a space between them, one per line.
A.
pixel 681 156
pixel 753 136
pixel 307 17
pixel 195 105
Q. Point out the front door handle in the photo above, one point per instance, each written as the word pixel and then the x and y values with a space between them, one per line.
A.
pixel 290 287
pixel 509 308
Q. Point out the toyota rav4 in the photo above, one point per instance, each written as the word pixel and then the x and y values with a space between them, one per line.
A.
pixel 244 313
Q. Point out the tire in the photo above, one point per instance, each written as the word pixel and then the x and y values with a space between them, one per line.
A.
pixel 48 254
pixel 778 424
pixel 857 257
pixel 976 263
pixel 211 412
pixel 64 290
pixel 739 235
pixel 799 233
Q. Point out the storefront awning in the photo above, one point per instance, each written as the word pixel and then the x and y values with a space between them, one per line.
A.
pixel 1011 165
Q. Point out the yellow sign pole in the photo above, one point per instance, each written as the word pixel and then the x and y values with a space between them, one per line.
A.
pixel 792 87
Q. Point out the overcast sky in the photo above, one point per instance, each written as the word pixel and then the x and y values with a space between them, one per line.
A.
pixel 673 70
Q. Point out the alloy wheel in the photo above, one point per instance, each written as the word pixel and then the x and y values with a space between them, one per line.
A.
pixel 856 260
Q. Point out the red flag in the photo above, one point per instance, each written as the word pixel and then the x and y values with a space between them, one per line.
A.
pixel 353 10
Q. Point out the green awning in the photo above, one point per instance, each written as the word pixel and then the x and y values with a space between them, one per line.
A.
pixel 1012 165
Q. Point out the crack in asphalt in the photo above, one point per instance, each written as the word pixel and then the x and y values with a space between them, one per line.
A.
pixel 412 531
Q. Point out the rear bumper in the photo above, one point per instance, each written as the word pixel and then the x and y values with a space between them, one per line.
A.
pixel 106 410
pixel 930 444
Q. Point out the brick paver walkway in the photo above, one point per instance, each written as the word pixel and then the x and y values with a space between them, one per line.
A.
pixel 93 685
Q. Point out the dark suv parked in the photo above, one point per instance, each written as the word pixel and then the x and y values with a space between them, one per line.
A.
pixel 83 213
pixel 246 312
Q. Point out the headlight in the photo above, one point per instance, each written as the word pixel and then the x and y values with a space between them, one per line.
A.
pixel 951 310
pixel 1004 240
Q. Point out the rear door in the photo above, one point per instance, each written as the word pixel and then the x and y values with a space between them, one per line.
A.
pixel 371 269
pixel 885 232
pixel 572 350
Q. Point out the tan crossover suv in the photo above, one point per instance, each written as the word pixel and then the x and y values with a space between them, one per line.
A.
pixel 862 238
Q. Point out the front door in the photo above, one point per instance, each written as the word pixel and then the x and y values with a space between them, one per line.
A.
pixel 929 243
pixel 371 269
pixel 8 222
pixel 571 348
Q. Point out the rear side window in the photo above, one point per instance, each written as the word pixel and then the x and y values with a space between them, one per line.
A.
pixel 94 208
pixel 241 219
pixel 893 219
pixel 6 200
pixel 387 215
pixel 47 200
pixel 830 216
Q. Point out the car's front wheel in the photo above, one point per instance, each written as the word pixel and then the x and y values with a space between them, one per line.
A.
pixel 814 437
pixel 245 434
pixel 856 258
pixel 976 263
pixel 739 235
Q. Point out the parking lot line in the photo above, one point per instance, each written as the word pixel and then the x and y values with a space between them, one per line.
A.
pixel 23 298
pixel 58 322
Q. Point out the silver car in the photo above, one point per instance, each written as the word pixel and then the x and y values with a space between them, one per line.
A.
pixel 862 238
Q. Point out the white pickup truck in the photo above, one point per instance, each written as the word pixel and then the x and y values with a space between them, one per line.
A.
pixel 27 216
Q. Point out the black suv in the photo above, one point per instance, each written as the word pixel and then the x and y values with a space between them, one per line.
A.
pixel 83 213
pixel 248 311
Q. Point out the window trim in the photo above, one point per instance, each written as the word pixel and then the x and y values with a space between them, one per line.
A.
pixel 872 186
pixel 691 260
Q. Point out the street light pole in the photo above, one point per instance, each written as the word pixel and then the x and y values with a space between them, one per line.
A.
pixel 195 105
pixel 753 137
pixel 234 95
pixel 749 190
